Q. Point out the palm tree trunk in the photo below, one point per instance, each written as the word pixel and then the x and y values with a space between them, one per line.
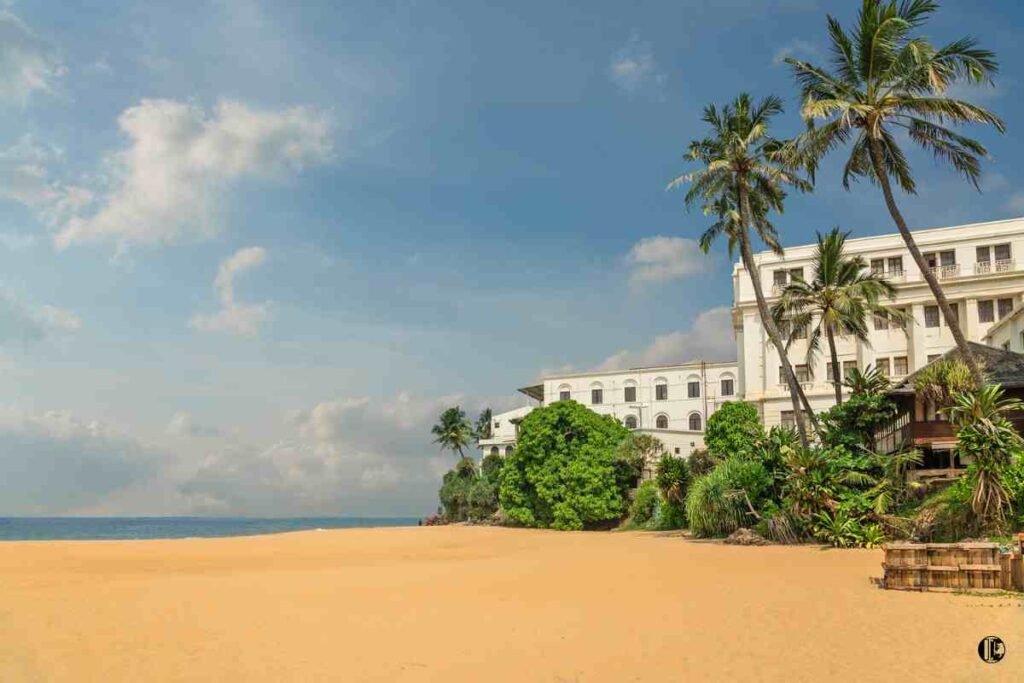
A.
pixel 875 150
pixel 795 392
pixel 837 372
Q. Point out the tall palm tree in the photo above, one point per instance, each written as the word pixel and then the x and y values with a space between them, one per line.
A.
pixel 453 431
pixel 740 180
pixel 836 301
pixel 885 81
pixel 482 430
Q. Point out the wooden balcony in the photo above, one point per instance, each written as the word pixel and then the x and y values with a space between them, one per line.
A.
pixel 904 432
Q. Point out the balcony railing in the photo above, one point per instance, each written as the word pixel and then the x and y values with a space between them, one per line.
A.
pixel 946 272
pixel 998 266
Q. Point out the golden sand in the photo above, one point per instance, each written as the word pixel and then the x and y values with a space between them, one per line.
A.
pixel 479 604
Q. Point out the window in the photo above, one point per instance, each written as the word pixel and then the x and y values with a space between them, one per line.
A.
pixel 779 278
pixel 497 424
pixel 941 258
pixel 727 387
pixel 895 265
pixel 931 316
pixel 796 274
pixel 985 314
pixel 494 450
pixel 955 310
pixel 630 422
pixel 883 366
pixel 1004 306
pixel 878 266
pixel 848 367
pixel 932 357
pixel 677 450
pixel 596 396
pixel 630 395
pixel 788 419
pixel 660 392
pixel 693 390
pixel 1002 252
pixel 508 450
pixel 661 422
pixel 899 366
pixel 695 422
pixel 898 322
pixel 802 373
pixel 881 321
pixel 982 255
pixel 564 395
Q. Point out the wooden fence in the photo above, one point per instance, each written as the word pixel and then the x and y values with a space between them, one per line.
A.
pixel 953 567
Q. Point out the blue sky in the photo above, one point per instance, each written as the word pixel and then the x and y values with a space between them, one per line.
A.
pixel 250 249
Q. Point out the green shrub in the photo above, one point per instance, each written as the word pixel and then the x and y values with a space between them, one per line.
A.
pixel 947 515
pixel 733 430
pixel 673 480
pixel 564 472
pixel 645 504
pixel 852 424
pixel 491 467
pixel 635 454
pixel 701 462
pixel 467 495
pixel 717 503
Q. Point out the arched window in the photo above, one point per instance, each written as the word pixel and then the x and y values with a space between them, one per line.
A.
pixel 564 392
pixel 630 422
pixel 494 450
pixel 661 422
pixel 695 422
pixel 508 450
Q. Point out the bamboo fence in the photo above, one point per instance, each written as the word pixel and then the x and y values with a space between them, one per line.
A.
pixel 954 567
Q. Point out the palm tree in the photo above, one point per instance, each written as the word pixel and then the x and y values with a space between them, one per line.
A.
pixel 837 301
pixel 482 430
pixel 453 430
pixel 870 382
pixel 885 81
pixel 740 181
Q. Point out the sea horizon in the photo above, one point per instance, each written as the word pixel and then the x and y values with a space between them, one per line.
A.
pixel 54 528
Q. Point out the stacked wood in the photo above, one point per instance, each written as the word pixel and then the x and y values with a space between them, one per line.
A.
pixel 952 567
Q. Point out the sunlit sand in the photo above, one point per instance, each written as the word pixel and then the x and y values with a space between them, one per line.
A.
pixel 479 604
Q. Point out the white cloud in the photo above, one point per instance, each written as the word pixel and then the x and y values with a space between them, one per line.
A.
pixel 25 177
pixel 711 338
pixel 235 317
pixel 27 64
pixel 182 424
pixel 164 187
pixel 55 463
pixel 659 259
pixel 343 454
pixel 634 67
pixel 24 324
pixel 800 49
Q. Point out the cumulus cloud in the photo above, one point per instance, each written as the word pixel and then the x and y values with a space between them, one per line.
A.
pixel 633 67
pixel 27 63
pixel 235 317
pixel 711 338
pixel 182 424
pixel 25 324
pixel 25 177
pixel 55 463
pixel 164 187
pixel 660 259
pixel 343 456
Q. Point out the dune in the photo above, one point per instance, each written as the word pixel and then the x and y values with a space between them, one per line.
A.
pixel 479 604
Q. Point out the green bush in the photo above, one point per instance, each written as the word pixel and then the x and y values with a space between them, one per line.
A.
pixel 733 430
pixel 645 504
pixel 947 515
pixel 673 480
pixel 701 462
pixel 491 467
pixel 564 472
pixel 717 503
pixel 852 424
pixel 467 495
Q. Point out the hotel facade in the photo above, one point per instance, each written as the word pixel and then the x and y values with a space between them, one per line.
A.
pixel 980 267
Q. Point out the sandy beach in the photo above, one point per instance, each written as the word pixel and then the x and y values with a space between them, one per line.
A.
pixel 475 604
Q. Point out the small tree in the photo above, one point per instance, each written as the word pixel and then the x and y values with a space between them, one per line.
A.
pixel 637 453
pixel 563 472
pixel 733 429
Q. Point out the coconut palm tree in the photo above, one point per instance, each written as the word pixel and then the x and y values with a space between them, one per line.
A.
pixel 836 301
pixel 740 180
pixel 885 82
pixel 453 431
pixel 482 430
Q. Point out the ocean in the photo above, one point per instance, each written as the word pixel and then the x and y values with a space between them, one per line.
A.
pixel 95 528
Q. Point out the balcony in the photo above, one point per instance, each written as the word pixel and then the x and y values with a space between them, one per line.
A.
pixel 946 272
pixel 904 432
pixel 998 266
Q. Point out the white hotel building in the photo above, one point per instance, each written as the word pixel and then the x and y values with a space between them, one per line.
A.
pixel 980 266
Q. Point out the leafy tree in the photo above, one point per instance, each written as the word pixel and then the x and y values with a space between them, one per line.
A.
pixel 563 472
pixel 701 461
pixel 468 494
pixel 986 435
pixel 886 81
pixel 836 301
pixel 491 467
pixel 733 430
pixel 482 430
pixel 673 481
pixel 740 180
pixel 453 431
pixel 853 424
pixel 637 453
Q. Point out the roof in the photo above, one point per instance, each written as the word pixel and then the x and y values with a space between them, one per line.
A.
pixel 1005 368
pixel 535 392
pixel 1006 320
pixel 689 365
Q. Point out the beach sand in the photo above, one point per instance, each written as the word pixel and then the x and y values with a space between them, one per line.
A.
pixel 479 604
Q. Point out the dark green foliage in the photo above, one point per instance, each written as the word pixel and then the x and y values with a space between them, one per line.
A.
pixel 701 462
pixel 851 424
pixel 491 467
pixel 453 431
pixel 482 429
pixel 947 516
pixel 645 504
pixel 721 502
pixel 635 454
pixel 673 481
pixel 467 495
pixel 564 472
pixel 733 430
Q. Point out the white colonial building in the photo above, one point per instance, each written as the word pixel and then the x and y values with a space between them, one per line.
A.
pixel 670 402
pixel 1008 333
pixel 980 274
